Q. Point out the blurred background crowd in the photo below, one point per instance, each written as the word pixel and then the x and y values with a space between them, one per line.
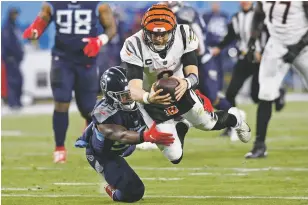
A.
pixel 25 65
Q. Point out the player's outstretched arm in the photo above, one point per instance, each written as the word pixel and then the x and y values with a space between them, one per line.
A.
pixel 121 134
pixel 37 28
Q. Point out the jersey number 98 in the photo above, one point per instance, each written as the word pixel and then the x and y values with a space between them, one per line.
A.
pixel 81 19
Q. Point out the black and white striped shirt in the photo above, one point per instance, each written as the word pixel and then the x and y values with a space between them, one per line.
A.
pixel 240 29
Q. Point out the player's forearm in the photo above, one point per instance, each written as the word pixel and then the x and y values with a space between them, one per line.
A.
pixel 45 13
pixel 136 91
pixel 120 134
pixel 37 28
pixel 107 21
pixel 191 72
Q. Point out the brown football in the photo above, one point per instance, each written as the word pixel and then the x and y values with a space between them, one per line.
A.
pixel 168 85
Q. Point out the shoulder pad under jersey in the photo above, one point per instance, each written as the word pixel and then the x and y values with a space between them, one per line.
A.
pixel 187 14
pixel 102 111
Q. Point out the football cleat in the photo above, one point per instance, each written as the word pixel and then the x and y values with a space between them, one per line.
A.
pixel 109 190
pixel 233 135
pixel 242 128
pixel 59 155
pixel 258 151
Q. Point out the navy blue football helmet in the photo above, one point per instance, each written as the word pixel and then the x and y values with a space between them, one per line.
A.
pixel 114 86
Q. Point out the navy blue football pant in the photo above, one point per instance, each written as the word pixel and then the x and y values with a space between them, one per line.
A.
pixel 67 76
pixel 14 81
pixel 118 174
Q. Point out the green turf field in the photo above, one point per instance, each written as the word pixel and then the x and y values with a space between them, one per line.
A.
pixel 213 170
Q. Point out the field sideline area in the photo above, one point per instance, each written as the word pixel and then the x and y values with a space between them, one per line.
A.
pixel 213 170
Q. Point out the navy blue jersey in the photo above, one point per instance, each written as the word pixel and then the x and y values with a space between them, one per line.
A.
pixel 74 20
pixel 216 27
pixel 106 114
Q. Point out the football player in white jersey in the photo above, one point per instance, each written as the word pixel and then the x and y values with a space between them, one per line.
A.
pixel 163 47
pixel 287 23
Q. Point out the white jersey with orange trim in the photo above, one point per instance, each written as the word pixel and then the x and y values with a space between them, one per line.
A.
pixel 286 20
pixel 136 52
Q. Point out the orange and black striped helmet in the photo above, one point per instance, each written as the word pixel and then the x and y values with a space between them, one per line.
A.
pixel 159 19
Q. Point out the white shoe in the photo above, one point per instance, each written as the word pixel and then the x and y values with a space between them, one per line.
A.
pixel 242 128
pixel 59 156
pixel 146 146
pixel 243 114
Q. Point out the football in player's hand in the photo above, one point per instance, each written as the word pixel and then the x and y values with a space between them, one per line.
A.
pixel 168 85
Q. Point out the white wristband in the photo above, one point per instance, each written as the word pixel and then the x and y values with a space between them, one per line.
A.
pixel 188 83
pixel 145 98
pixel 103 38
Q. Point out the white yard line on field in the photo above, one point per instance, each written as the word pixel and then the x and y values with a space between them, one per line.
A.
pixel 91 184
pixel 19 133
pixel 239 169
pixel 297 169
pixel 216 174
pixel 161 196
pixel 20 189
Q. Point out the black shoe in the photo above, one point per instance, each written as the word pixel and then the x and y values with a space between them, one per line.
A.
pixel 258 151
pixel 226 132
pixel 280 101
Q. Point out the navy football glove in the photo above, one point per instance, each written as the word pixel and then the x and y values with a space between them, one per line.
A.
pixel 81 144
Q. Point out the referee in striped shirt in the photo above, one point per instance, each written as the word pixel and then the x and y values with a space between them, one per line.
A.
pixel 239 30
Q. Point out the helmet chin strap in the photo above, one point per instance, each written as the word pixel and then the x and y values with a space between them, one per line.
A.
pixel 159 47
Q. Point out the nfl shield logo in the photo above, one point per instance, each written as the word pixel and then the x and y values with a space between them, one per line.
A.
pixel 165 62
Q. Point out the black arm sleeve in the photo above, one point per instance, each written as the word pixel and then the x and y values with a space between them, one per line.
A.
pixel 231 36
pixel 190 58
pixel 133 71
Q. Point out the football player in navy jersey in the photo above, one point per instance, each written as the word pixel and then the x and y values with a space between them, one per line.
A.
pixel 116 128
pixel 73 57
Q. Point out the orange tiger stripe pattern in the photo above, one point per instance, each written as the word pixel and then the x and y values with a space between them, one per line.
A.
pixel 159 18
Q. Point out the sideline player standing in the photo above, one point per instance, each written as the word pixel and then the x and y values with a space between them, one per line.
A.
pixel 163 46
pixel 287 23
pixel 73 57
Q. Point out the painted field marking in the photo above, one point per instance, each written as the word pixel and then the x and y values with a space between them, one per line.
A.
pixel 92 184
pixel 161 196
pixel 239 169
pixel 20 189
pixel 216 174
